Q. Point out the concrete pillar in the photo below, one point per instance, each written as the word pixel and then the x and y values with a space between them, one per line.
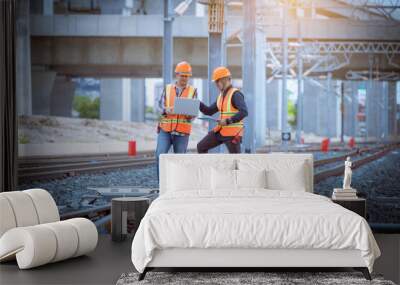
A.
pixel 334 114
pixel 375 109
pixel 122 99
pixel 158 89
pixel 321 108
pixel 384 118
pixel 23 59
pixel 260 94
pixel 42 85
pixel 285 57
pixel 62 96
pixel 310 113
pixel 371 104
pixel 327 109
pixel 111 99
pixel 214 60
pixel 351 127
pixel 392 109
pixel 168 43
pixel 249 73
pixel 138 100
pixel 273 91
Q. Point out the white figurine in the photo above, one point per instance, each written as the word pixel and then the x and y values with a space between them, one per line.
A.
pixel 347 174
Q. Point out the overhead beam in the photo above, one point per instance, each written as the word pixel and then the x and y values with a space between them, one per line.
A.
pixel 341 9
pixel 111 26
pixel 88 56
pixel 338 47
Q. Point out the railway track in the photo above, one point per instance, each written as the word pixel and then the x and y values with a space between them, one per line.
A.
pixel 374 154
pixel 56 167
pixel 101 214
pixel 42 168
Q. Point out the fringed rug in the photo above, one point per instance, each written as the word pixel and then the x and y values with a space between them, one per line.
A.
pixel 243 278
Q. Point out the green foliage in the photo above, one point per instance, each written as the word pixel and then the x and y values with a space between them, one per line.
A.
pixel 292 114
pixel 23 139
pixel 86 107
pixel 149 109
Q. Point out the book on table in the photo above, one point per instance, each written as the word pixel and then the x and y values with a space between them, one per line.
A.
pixel 340 190
pixel 345 194
pixel 349 194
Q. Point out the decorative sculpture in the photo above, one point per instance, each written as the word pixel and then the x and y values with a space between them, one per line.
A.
pixel 347 174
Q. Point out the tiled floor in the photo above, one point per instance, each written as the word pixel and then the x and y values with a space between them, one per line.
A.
pixel 103 266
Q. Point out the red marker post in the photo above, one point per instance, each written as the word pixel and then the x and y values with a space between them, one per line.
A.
pixel 132 148
pixel 352 142
pixel 325 145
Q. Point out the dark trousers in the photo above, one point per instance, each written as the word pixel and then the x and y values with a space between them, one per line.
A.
pixel 212 140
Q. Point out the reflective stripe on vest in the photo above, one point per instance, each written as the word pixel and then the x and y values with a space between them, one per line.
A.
pixel 178 123
pixel 227 110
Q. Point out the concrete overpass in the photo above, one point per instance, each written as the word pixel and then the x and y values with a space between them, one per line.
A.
pixel 113 45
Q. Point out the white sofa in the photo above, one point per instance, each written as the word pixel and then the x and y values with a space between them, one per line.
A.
pixel 31 230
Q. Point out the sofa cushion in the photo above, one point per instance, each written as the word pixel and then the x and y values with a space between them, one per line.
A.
pixel 23 208
pixel 41 244
pixel 45 205
pixel 26 208
pixel 7 220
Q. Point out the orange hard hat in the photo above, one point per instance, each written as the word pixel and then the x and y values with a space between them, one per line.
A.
pixel 220 72
pixel 183 68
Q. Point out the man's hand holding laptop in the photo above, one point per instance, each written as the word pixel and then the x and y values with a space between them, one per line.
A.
pixel 222 122
pixel 169 110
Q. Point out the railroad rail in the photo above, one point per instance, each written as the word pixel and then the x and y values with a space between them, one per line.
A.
pixel 55 167
pixel 37 168
pixel 30 161
pixel 377 152
pixel 102 213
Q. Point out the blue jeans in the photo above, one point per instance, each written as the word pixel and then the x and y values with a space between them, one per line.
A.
pixel 164 142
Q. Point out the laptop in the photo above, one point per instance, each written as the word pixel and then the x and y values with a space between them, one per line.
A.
pixel 185 106
pixel 208 119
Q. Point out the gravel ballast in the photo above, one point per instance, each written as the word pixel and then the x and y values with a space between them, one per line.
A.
pixel 378 181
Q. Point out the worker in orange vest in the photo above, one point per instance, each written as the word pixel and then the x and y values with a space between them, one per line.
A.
pixel 173 129
pixel 232 110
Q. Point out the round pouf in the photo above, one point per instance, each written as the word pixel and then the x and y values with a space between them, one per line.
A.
pixel 126 213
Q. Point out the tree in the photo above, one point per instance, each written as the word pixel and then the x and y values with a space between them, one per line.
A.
pixel 86 107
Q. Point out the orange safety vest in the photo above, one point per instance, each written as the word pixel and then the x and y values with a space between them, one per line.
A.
pixel 172 122
pixel 227 110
